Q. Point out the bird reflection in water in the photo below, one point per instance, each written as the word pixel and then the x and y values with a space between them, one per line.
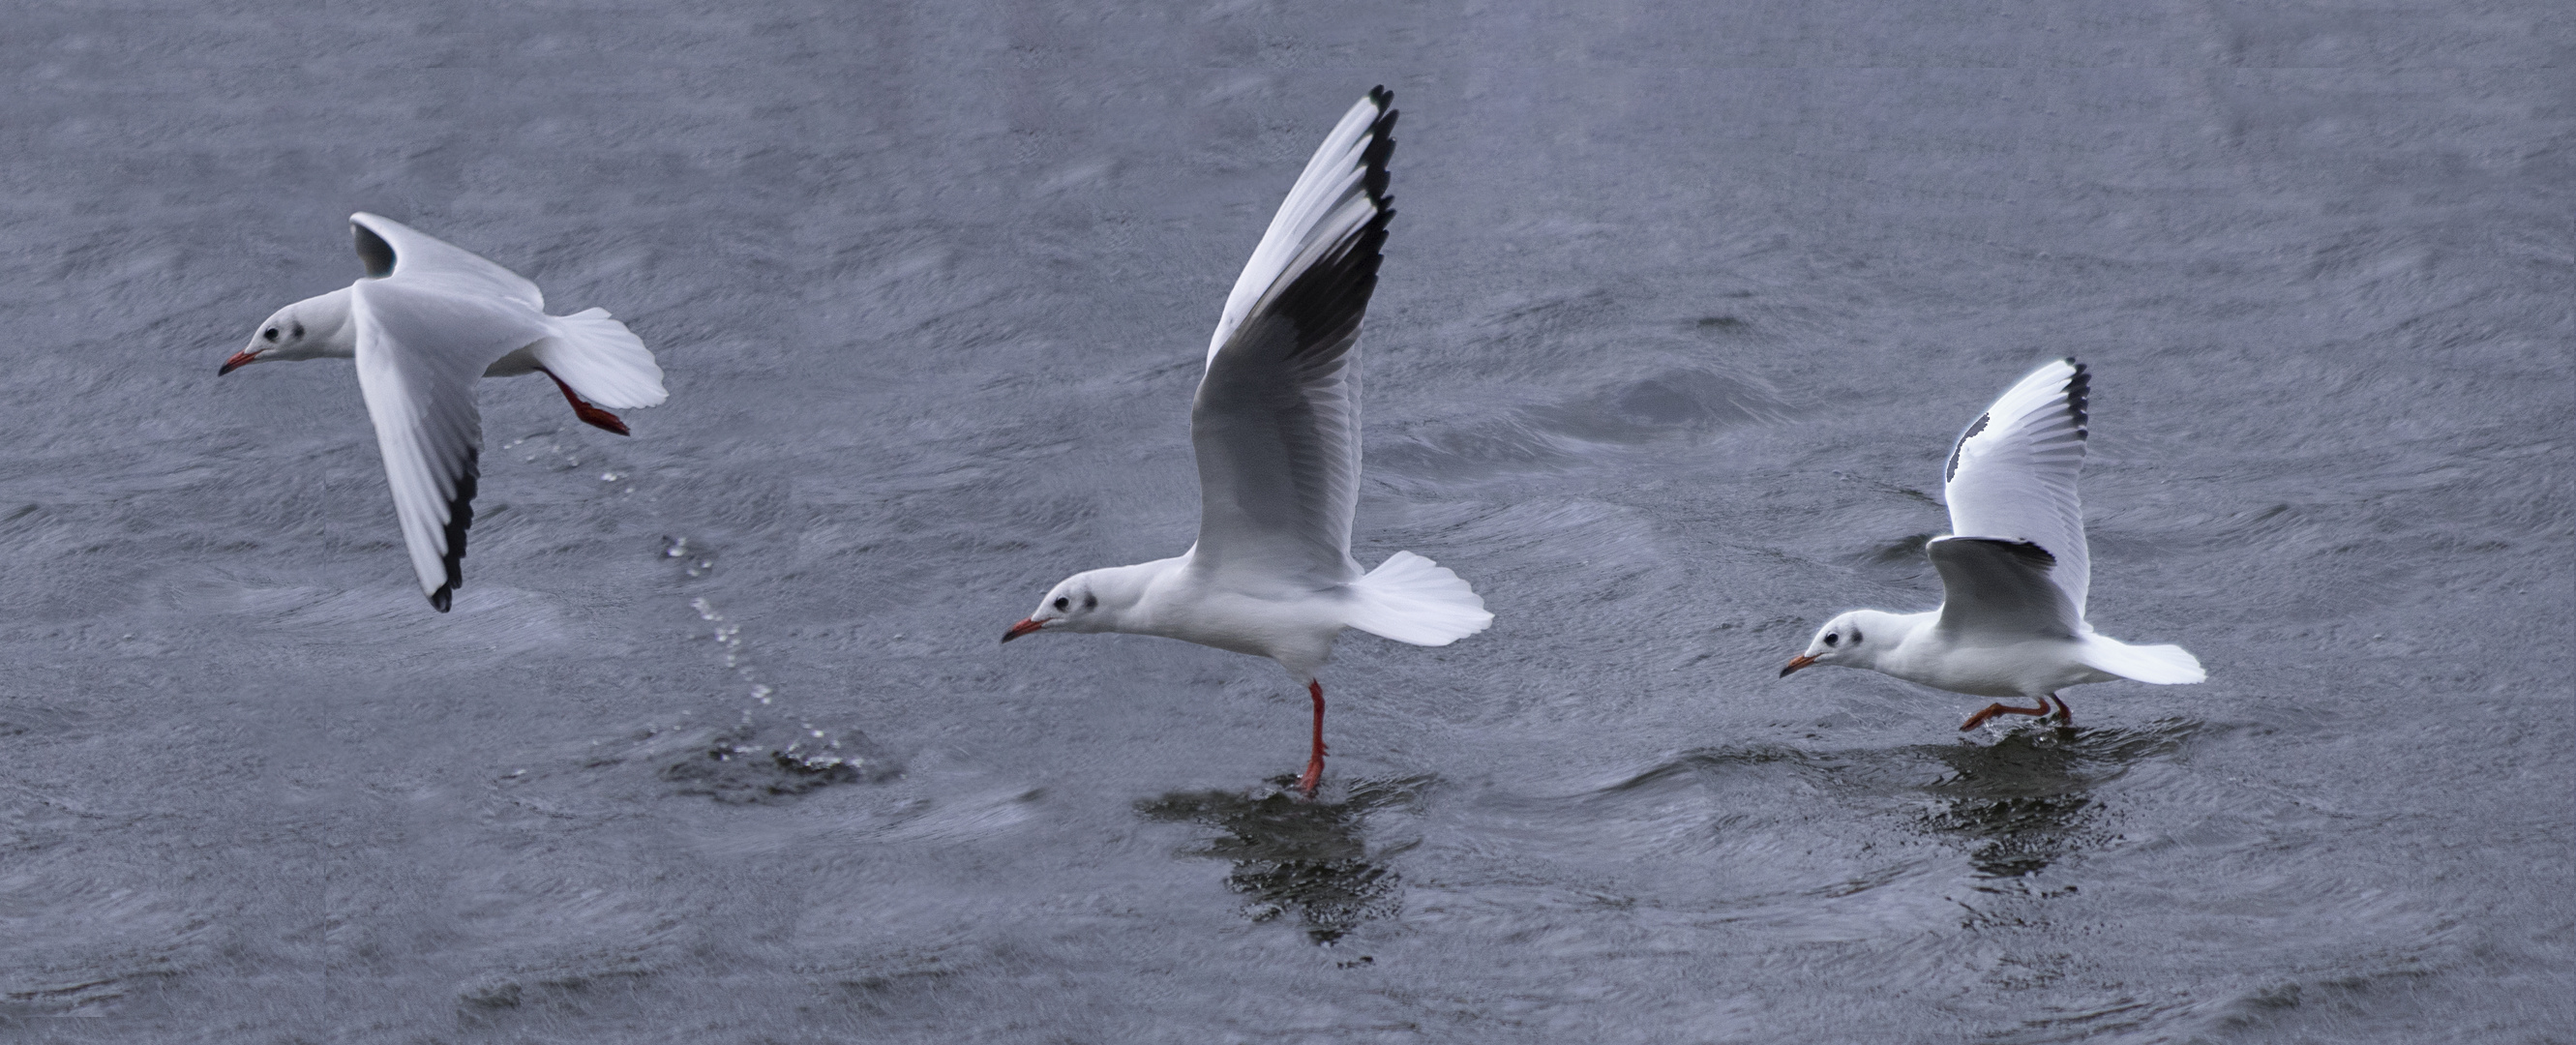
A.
pixel 1295 855
pixel 2026 801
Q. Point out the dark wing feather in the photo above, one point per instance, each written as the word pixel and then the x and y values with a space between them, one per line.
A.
pixel 1998 589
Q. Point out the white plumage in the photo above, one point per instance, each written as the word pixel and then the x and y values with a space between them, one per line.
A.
pixel 2014 571
pixel 1276 428
pixel 423 324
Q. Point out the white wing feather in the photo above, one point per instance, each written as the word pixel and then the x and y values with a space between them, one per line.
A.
pixel 419 354
pixel 433 265
pixel 2012 474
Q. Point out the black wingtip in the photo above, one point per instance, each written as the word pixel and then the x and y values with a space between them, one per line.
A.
pixel 1380 150
pixel 438 599
pixel 1327 301
pixel 1961 445
pixel 2079 398
pixel 460 516
pixel 373 251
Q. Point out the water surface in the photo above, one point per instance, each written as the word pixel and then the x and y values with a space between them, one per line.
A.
pixel 1679 313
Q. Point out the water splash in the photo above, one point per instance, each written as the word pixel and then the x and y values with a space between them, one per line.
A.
pixel 695 561
pixel 764 755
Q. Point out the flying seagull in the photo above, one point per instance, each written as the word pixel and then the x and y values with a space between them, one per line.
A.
pixel 2014 571
pixel 424 322
pixel 1276 428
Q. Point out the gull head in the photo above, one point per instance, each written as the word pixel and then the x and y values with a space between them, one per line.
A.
pixel 308 329
pixel 1074 604
pixel 1853 640
pixel 1093 600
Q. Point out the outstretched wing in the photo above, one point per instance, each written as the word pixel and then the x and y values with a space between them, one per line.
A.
pixel 2011 476
pixel 1998 589
pixel 419 355
pixel 393 250
pixel 1276 420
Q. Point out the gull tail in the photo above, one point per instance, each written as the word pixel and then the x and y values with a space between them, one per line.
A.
pixel 2162 665
pixel 603 361
pixel 1411 599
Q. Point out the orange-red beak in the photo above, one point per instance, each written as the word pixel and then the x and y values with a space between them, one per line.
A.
pixel 1026 627
pixel 238 361
pixel 1802 661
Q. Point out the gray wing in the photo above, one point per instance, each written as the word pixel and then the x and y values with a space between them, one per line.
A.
pixel 2012 474
pixel 419 356
pixel 1276 419
pixel 2000 590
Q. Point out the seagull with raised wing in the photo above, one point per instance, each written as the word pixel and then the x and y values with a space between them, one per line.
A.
pixel 2014 571
pixel 1276 429
pixel 426 320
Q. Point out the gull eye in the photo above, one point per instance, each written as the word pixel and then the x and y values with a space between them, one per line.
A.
pixel 270 333
pixel 1833 639
pixel 1062 602
pixel 1091 602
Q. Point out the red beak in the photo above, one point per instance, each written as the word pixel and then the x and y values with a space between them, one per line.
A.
pixel 1801 661
pixel 238 361
pixel 1026 627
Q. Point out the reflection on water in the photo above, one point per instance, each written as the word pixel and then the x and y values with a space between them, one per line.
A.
pixel 1295 855
pixel 2026 801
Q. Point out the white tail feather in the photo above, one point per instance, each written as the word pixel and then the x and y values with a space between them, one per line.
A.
pixel 603 361
pixel 2161 665
pixel 1411 599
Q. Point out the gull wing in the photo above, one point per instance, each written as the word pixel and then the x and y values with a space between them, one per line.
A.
pixel 419 355
pixel 1276 419
pixel 2002 590
pixel 393 250
pixel 2011 476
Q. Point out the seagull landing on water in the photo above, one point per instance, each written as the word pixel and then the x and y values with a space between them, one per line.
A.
pixel 2013 572
pixel 426 320
pixel 1276 427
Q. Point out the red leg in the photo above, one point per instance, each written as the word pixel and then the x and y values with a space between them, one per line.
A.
pixel 581 408
pixel 2065 715
pixel 1995 709
pixel 1315 763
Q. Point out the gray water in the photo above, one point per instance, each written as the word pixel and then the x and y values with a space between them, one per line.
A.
pixel 1679 313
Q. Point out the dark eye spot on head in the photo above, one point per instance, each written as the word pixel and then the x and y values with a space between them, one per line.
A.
pixel 1833 639
pixel 270 333
pixel 1855 636
pixel 1062 602
pixel 299 330
pixel 1091 602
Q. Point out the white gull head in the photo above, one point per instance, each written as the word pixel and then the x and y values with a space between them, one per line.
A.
pixel 1091 601
pixel 1857 639
pixel 314 328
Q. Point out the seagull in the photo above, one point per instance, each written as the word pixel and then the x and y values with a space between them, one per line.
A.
pixel 1276 426
pixel 424 322
pixel 2014 571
